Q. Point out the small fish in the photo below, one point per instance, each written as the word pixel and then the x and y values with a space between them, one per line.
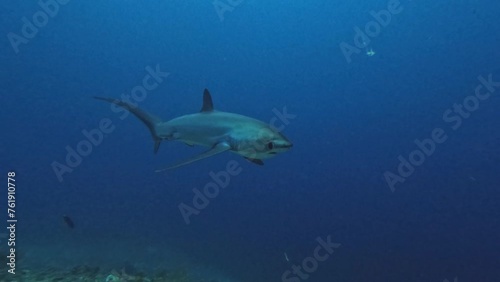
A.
pixel 69 222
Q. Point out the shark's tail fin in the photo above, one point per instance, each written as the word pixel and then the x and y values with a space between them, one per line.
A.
pixel 150 121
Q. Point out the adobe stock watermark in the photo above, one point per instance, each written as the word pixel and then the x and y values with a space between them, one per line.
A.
pixel 221 179
pixel 94 137
pixel 223 6
pixel 309 265
pixel 372 29
pixel 30 28
pixel 453 117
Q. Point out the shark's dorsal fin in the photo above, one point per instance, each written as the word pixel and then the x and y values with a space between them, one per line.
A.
pixel 208 106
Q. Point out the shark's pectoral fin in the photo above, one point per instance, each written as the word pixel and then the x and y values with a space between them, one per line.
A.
pixel 217 149
pixel 189 144
pixel 255 161
pixel 157 145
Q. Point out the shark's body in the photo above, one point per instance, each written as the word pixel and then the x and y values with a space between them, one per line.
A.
pixel 220 131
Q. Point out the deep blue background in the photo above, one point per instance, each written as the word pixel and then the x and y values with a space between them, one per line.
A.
pixel 352 121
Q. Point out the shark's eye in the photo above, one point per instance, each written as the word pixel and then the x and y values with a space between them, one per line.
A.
pixel 270 145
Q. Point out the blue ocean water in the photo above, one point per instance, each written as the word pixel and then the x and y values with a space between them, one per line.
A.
pixel 392 110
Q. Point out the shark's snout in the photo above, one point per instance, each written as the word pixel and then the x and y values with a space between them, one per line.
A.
pixel 284 145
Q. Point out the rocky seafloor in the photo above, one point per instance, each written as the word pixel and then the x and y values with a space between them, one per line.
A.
pixel 95 274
